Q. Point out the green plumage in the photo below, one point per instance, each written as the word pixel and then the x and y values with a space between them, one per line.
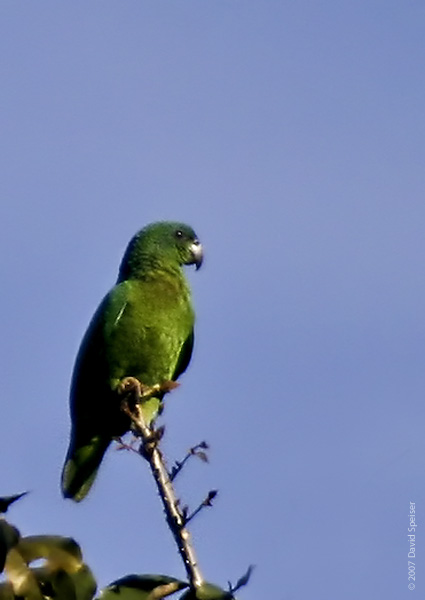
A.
pixel 144 329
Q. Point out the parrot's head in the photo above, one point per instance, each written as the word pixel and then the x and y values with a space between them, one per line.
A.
pixel 164 242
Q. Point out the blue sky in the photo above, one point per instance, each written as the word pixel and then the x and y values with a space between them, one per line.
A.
pixel 290 135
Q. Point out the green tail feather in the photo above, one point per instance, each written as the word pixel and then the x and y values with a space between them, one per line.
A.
pixel 81 466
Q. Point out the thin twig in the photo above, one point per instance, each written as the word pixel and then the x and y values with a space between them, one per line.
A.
pixel 194 451
pixel 175 519
pixel 207 502
pixel 242 581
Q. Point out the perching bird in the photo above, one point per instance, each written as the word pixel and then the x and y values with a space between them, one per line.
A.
pixel 143 328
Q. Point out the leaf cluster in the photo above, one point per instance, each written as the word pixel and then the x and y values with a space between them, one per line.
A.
pixel 51 567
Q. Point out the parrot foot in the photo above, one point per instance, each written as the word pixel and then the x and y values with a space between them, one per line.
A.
pixel 134 393
pixel 131 385
pixel 141 391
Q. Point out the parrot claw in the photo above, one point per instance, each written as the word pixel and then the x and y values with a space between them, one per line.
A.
pixel 141 391
pixel 129 385
pixel 134 393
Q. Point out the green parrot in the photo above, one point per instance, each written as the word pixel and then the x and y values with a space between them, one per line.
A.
pixel 143 328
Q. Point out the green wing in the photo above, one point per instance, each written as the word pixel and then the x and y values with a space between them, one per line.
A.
pixel 185 355
pixel 91 405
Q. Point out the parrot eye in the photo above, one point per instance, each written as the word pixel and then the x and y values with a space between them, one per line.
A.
pixel 179 234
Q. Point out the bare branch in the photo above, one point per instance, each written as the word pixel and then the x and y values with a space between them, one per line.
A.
pixel 133 394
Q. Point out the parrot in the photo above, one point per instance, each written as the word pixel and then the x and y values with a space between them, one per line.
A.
pixel 142 329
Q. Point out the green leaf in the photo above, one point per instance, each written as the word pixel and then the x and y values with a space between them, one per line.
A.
pixel 58 552
pixel 61 585
pixel 142 587
pixel 84 582
pixel 56 584
pixel 63 576
pixel 9 537
pixel 21 577
pixel 6 591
